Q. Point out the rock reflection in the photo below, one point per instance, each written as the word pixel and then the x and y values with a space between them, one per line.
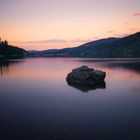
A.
pixel 85 88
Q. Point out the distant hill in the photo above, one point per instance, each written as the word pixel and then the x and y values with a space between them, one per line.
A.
pixel 127 47
pixel 8 51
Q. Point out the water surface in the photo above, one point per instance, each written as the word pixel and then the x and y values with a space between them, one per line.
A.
pixel 37 103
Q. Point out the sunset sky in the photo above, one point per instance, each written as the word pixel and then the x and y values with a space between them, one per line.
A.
pixel 48 24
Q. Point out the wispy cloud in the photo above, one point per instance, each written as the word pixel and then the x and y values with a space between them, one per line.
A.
pixel 121 35
pixel 110 31
pixel 136 14
pixel 125 23
pixel 133 29
pixel 95 38
pixel 57 41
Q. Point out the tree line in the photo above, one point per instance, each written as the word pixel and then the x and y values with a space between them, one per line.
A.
pixel 5 42
pixel 8 51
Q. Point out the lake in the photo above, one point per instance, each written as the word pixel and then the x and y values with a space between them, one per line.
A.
pixel 36 103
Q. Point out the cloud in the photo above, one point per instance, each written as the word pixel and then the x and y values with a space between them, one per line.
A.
pixel 132 29
pixel 110 31
pixel 126 23
pixel 121 35
pixel 136 14
pixel 57 41
pixel 49 41
pixel 95 37
pixel 80 40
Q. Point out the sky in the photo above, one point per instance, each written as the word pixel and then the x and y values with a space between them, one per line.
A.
pixel 51 24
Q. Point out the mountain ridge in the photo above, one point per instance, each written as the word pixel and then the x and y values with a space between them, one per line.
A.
pixel 128 46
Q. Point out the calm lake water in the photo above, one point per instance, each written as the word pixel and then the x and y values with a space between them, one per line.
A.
pixel 36 103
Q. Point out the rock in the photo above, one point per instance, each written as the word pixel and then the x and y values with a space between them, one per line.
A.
pixel 85 76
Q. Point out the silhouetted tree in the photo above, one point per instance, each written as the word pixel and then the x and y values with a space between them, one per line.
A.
pixel 6 42
pixel 2 42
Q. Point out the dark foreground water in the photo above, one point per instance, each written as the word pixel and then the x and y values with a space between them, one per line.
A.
pixel 36 103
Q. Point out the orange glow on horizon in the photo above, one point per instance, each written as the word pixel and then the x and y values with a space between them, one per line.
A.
pixel 67 20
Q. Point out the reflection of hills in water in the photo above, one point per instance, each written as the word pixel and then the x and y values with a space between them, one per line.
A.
pixel 125 63
pixel 134 66
pixel 5 66
pixel 85 88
